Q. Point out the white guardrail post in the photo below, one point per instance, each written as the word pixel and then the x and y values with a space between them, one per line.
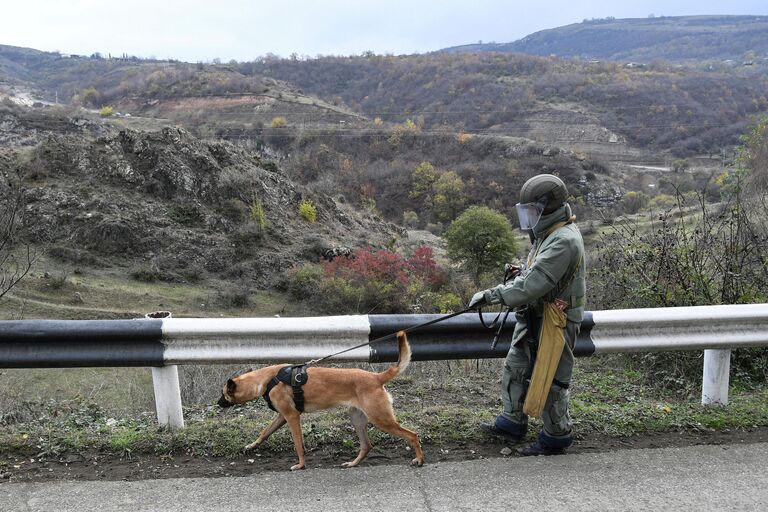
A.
pixel 717 366
pixel 165 380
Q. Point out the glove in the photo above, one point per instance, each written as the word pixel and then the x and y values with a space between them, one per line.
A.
pixel 478 300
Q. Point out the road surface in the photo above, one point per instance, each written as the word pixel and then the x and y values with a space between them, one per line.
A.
pixel 722 477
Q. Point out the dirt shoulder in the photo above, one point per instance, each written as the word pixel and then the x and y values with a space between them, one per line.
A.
pixel 98 466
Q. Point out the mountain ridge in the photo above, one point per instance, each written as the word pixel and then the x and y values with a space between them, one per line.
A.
pixel 671 38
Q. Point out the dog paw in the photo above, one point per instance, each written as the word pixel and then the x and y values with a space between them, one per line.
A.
pixel 417 462
pixel 251 446
pixel 297 467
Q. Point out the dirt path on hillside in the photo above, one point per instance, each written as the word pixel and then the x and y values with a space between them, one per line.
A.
pixel 96 466
pixel 69 307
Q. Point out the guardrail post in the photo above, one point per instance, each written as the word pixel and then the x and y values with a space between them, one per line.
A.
pixel 165 380
pixel 717 366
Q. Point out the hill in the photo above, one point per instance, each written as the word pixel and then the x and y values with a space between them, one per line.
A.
pixel 584 105
pixel 670 38
pixel 587 106
pixel 165 205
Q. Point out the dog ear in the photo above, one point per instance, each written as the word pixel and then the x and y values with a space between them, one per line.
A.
pixel 231 386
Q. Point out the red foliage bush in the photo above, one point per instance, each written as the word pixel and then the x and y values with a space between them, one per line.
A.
pixel 367 265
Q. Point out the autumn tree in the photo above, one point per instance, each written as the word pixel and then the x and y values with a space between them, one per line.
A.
pixel 753 156
pixel 449 198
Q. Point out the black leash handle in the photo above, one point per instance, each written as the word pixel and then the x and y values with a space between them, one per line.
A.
pixel 381 338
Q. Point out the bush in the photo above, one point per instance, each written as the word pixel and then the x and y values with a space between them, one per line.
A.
pixel 633 202
pixel 373 280
pixel 481 240
pixel 308 210
pixel 106 111
pixel 410 219
pixel 186 214
pixel 713 255
pixel 233 209
pixel 279 122
pixel 146 273
pixel 663 202
pixel 234 297
pixel 257 214
pixel 90 96
pixel 303 281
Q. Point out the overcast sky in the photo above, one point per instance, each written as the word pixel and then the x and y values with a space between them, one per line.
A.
pixel 201 30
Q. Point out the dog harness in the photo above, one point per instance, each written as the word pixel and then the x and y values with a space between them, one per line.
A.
pixel 295 376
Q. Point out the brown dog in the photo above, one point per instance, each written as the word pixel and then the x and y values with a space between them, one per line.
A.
pixel 362 391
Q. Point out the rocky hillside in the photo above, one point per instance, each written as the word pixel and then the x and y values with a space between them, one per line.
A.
pixel 170 204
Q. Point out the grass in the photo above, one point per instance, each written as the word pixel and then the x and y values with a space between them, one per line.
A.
pixel 111 410
pixel 113 293
pixel 443 402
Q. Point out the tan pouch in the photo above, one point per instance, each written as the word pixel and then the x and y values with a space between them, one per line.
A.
pixel 551 343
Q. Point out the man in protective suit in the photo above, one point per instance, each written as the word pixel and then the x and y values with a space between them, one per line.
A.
pixel 554 273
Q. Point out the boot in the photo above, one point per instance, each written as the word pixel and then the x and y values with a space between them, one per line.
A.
pixel 547 445
pixel 505 429
pixel 537 448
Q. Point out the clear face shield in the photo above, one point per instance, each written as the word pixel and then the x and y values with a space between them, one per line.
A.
pixel 528 214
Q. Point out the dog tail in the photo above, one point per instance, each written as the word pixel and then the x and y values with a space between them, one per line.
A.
pixel 404 358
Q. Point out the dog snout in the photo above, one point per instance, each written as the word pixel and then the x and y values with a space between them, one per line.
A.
pixel 223 402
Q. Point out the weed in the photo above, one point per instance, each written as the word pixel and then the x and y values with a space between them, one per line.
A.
pixel 123 440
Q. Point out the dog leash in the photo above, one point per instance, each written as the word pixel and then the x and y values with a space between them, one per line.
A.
pixel 381 338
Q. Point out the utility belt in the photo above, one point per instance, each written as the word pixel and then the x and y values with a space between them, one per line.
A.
pixel 525 312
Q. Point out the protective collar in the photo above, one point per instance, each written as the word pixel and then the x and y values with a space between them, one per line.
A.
pixel 550 219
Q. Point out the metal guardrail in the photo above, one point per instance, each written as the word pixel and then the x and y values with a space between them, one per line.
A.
pixel 163 343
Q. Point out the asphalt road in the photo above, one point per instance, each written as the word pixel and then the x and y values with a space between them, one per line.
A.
pixel 724 477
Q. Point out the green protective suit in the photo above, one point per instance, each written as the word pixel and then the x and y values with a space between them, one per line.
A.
pixel 555 269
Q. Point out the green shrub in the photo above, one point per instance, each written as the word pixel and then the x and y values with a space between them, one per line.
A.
pixel 186 214
pixel 410 219
pixel 304 280
pixel 257 214
pixel 106 111
pixel 308 210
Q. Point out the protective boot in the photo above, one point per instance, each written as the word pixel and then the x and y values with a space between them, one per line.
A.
pixel 547 445
pixel 505 429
